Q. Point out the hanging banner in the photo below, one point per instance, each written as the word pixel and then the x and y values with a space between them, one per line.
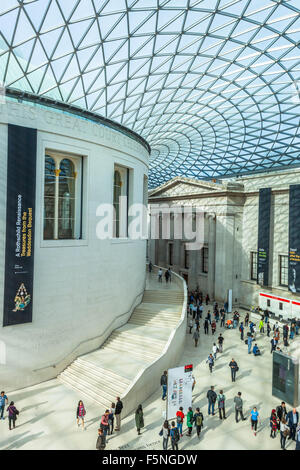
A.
pixel 20 219
pixel 180 382
pixel 294 239
pixel 263 245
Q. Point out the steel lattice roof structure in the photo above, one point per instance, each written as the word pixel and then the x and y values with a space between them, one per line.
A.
pixel 212 85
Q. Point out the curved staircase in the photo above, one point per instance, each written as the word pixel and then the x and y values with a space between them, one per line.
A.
pixel 110 371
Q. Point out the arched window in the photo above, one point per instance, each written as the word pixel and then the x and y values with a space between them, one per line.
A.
pixel 62 197
pixel 121 201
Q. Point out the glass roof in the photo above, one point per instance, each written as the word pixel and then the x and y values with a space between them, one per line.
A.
pixel 212 85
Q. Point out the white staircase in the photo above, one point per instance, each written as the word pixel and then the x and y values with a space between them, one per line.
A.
pixel 108 372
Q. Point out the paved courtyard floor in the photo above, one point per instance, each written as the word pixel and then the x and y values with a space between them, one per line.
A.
pixel 47 411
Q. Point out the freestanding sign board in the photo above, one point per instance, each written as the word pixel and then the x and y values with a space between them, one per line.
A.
pixel 20 221
pixel 180 382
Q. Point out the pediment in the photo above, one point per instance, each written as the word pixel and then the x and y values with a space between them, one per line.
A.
pixel 181 187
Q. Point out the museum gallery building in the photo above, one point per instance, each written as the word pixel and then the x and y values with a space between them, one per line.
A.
pixel 62 289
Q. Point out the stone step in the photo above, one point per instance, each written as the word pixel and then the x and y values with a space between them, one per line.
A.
pixel 149 357
pixel 157 324
pixel 85 382
pixel 131 344
pixel 105 404
pixel 100 371
pixel 100 381
pixel 164 318
pixel 138 338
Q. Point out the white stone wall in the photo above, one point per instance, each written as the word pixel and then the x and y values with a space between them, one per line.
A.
pixel 81 287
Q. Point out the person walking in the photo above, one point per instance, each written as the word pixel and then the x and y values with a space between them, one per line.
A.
pixel 165 433
pixel 12 415
pixel 234 368
pixel 254 419
pixel 221 404
pixel 160 275
pixel 220 343
pixel 191 324
pixel 101 441
pixel 214 351
pixel 150 267
pixel 246 320
pixel 206 326
pixel 80 413
pixel 210 361
pixel 196 336
pixel 198 420
pixel 261 327
pixel 238 401
pixel 249 340
pixel 292 421
pixel 139 419
pixel 164 384
pixel 222 323
pixel 213 327
pixel 273 345
pixel 167 276
pixel 281 411
pixel 3 399
pixel 104 423
pixel 212 398
pixel 284 432
pixel 273 424
pixel 268 329
pixel 111 419
pixel 207 299
pixel 180 418
pixel 189 421
pixel 175 437
pixel 242 331
pixel 118 411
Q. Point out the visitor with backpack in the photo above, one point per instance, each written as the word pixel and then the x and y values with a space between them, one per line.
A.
pixel 12 415
pixel 212 398
pixel 198 420
pixel 175 437
pixel 214 351
pixel 221 404
pixel 284 433
pixel 180 418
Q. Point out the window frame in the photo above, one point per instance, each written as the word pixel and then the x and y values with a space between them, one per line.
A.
pixel 205 259
pixel 283 270
pixel 78 162
pixel 253 265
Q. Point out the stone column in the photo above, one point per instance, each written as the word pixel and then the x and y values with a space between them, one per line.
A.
pixel 224 256
pixel 211 220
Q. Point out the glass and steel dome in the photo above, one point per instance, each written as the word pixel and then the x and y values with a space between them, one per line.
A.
pixel 212 85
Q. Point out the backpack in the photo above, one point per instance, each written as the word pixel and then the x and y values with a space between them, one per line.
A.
pixel 199 420
pixel 176 435
pixel 179 419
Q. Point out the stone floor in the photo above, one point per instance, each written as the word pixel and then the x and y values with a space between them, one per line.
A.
pixel 47 411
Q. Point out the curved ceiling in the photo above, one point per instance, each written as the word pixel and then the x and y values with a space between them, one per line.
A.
pixel 213 85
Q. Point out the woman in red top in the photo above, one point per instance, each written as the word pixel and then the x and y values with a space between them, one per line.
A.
pixel 80 413
pixel 273 424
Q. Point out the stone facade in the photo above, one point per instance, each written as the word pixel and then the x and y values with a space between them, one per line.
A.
pixel 230 233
